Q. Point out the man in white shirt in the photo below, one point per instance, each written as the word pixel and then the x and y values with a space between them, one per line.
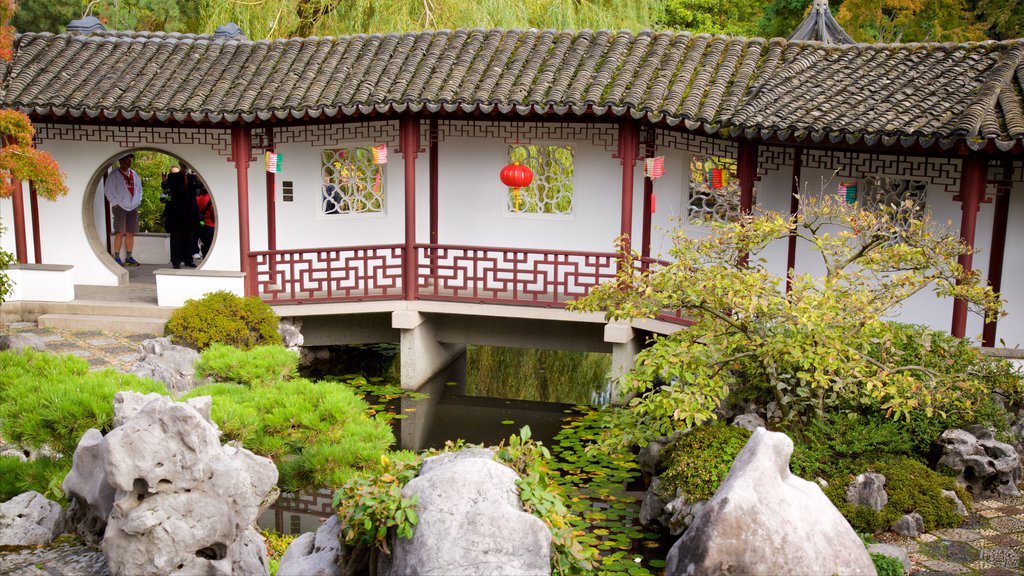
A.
pixel 123 189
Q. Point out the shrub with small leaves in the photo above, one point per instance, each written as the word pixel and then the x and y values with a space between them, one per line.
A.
pixel 370 505
pixel 261 366
pixel 222 317
pixel 699 460
pixel 886 565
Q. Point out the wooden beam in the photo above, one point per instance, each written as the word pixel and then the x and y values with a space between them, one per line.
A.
pixel 629 139
pixel 794 207
pixel 241 151
pixel 973 178
pixel 271 196
pixel 37 242
pixel 409 136
pixel 18 200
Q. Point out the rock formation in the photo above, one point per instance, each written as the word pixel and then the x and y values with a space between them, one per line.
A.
pixel 984 465
pixel 472 501
pixel 314 554
pixel 30 519
pixel 168 363
pixel 765 521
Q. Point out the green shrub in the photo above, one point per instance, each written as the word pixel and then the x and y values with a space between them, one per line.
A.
pixel 222 317
pixel 699 460
pixel 44 475
pixel 52 400
pixel 831 447
pixel 261 366
pixel 276 546
pixel 886 565
pixel 912 487
pixel 317 433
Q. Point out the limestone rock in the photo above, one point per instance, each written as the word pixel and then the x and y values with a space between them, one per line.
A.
pixel 168 363
pixel 983 465
pixel 314 554
pixel 868 489
pixel 893 552
pixel 30 519
pixel 291 337
pixel 90 496
pixel 19 342
pixel 184 504
pixel 765 521
pixel 911 525
pixel 957 503
pixel 749 421
pixel 443 459
pixel 472 502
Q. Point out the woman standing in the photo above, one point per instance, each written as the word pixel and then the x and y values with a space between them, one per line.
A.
pixel 182 215
pixel 207 222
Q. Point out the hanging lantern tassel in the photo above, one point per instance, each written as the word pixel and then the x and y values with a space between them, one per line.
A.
pixel 654 203
pixel 516 176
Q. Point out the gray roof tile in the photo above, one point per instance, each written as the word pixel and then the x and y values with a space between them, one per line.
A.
pixel 884 93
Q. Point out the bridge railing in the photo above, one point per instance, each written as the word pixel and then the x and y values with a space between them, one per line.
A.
pixel 516 276
pixel 525 277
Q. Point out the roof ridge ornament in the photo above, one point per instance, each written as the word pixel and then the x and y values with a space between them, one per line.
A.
pixel 86 25
pixel 229 31
pixel 821 26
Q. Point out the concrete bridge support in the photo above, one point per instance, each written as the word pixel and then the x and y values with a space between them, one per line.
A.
pixel 421 354
pixel 626 344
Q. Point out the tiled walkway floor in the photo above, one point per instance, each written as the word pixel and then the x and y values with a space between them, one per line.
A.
pixel 990 542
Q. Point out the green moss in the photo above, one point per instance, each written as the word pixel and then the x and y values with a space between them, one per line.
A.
pixel 222 317
pixel 698 462
pixel 912 487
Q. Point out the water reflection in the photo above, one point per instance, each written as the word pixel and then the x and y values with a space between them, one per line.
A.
pixel 540 375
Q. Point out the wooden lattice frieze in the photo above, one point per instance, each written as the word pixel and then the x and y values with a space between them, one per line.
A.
pixel 773 159
pixel 316 504
pixel 696 144
pixel 943 172
pixel 217 140
pixel 328 135
pixel 605 136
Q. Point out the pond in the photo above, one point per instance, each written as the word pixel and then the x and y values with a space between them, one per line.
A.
pixel 488 394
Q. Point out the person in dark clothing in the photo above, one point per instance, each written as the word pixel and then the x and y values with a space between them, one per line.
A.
pixel 181 214
pixel 207 221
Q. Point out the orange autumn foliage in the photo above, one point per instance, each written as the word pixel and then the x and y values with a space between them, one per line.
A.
pixel 19 159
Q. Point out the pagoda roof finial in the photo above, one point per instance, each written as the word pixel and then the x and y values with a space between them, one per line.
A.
pixel 821 26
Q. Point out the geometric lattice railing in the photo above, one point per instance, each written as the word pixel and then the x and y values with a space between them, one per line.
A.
pixel 517 276
pixel 329 274
pixel 509 275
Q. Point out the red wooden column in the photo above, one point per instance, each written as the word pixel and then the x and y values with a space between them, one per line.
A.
pixel 409 136
pixel 37 242
pixel 271 197
pixel 972 190
pixel 645 247
pixel 746 171
pixel 794 207
pixel 241 151
pixel 998 249
pixel 18 201
pixel 433 181
pixel 629 139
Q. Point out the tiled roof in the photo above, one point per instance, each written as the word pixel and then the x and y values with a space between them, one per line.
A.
pixel 905 93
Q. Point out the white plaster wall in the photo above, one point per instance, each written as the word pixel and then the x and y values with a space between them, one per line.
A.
pixel 41 285
pixel 471 200
pixel 174 288
pixel 1011 328
pixel 64 235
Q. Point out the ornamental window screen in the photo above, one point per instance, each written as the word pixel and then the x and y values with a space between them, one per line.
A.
pixel 551 191
pixel 714 190
pixel 352 182
pixel 906 198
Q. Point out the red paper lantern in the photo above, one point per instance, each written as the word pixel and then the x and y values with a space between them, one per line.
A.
pixel 516 175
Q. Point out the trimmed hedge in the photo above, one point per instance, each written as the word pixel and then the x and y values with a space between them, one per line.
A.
pixel 222 317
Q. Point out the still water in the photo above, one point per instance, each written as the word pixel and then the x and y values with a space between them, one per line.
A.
pixel 482 397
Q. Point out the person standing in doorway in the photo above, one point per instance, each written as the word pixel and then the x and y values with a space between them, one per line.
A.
pixel 207 222
pixel 182 215
pixel 123 189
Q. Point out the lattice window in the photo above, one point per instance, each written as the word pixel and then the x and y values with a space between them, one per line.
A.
pixel 714 190
pixel 551 191
pixel 352 182
pixel 905 197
